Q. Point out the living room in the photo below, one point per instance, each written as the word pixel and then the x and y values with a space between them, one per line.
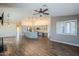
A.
pixel 39 29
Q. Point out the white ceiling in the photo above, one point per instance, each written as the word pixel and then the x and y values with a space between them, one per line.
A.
pixel 55 9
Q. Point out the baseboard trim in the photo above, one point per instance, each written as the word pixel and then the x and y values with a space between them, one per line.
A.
pixel 65 43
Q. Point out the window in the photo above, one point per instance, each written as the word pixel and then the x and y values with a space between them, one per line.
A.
pixel 67 27
pixel 60 27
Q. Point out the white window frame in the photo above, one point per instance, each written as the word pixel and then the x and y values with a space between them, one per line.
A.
pixel 64 24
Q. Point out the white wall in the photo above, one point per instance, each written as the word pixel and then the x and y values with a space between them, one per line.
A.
pixel 15 14
pixel 68 39
pixel 7 30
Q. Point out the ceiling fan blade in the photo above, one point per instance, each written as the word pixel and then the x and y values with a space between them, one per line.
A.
pixel 36 10
pixel 45 10
pixel 46 13
pixel 35 13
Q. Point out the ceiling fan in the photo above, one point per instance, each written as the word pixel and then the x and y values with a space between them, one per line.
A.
pixel 41 12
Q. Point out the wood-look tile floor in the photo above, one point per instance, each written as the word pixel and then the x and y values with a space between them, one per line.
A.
pixel 37 47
